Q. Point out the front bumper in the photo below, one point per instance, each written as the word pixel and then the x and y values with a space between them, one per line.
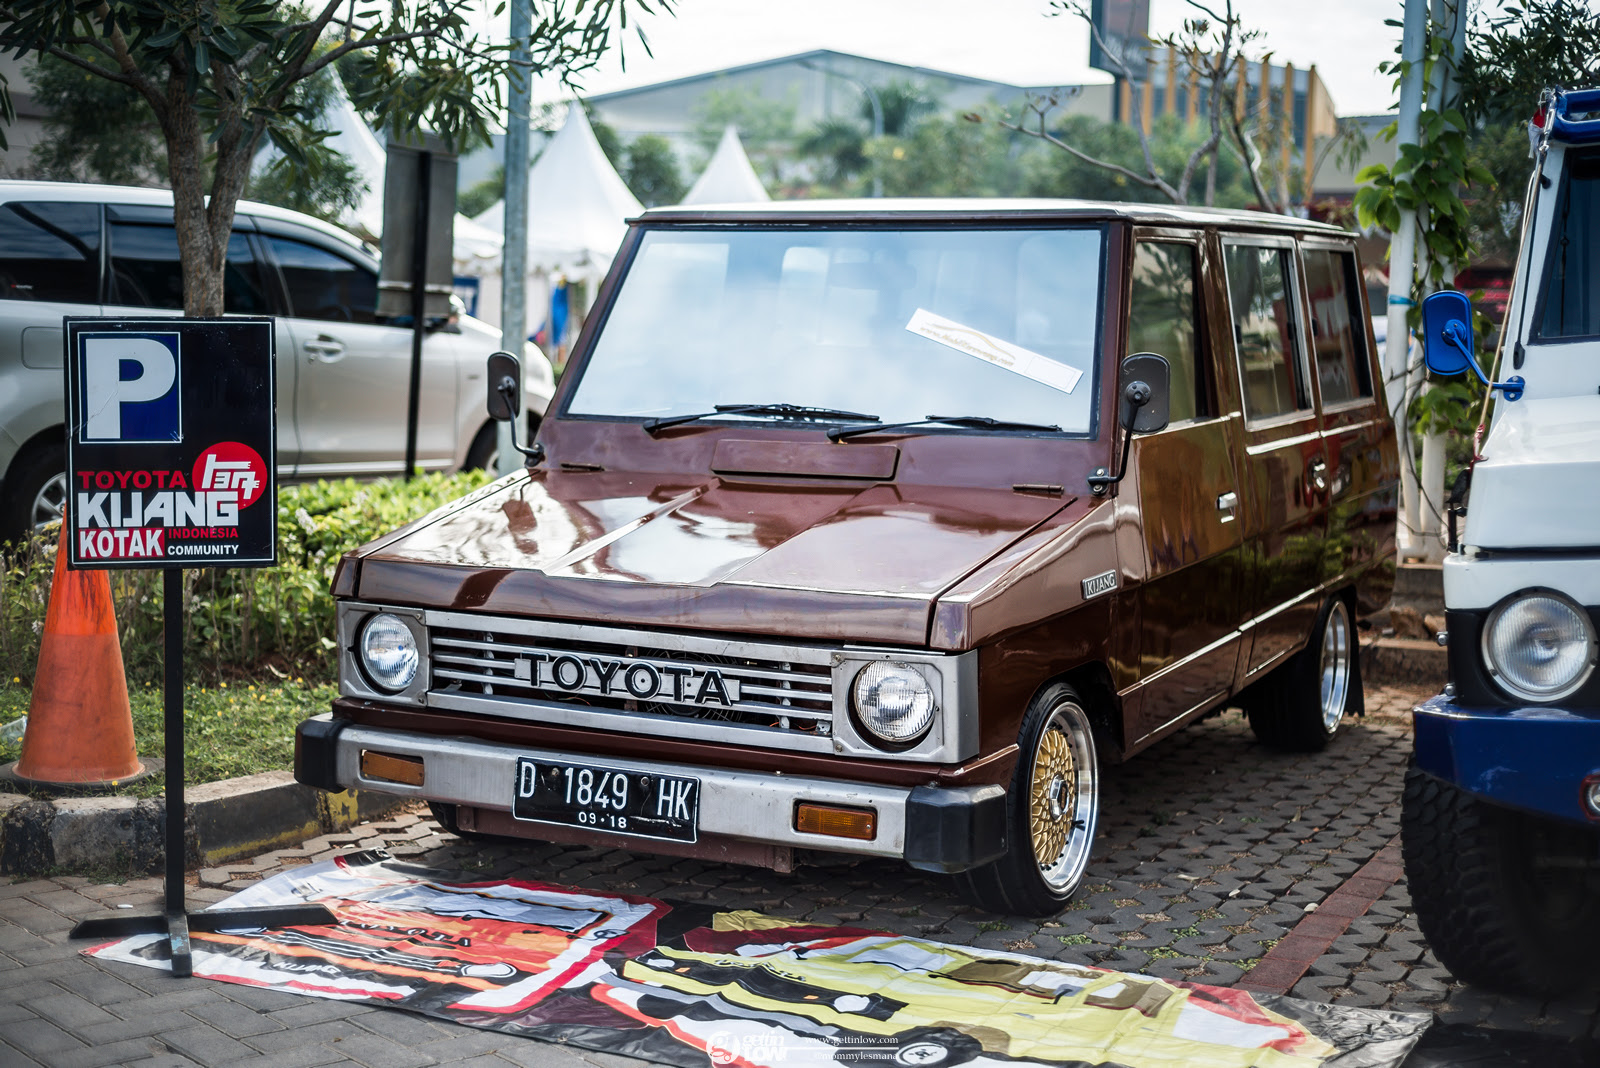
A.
pixel 934 828
pixel 1534 758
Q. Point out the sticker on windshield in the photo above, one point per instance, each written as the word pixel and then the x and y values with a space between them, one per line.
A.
pixel 991 349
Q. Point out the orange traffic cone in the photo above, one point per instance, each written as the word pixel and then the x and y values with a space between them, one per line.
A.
pixel 80 727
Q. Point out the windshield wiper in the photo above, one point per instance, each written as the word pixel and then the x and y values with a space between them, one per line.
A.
pixel 971 422
pixel 791 411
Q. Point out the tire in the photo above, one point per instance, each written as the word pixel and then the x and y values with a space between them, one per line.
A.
pixel 1495 909
pixel 1298 708
pixel 36 490
pixel 484 452
pixel 1051 810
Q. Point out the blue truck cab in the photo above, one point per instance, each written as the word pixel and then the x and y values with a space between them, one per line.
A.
pixel 1501 812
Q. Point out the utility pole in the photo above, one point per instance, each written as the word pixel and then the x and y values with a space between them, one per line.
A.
pixel 1449 17
pixel 1397 372
pixel 514 254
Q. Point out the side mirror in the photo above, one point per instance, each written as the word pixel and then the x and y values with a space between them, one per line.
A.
pixel 1144 391
pixel 1146 388
pixel 505 399
pixel 1447 343
pixel 505 387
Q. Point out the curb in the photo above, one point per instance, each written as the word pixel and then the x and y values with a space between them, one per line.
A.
pixel 226 820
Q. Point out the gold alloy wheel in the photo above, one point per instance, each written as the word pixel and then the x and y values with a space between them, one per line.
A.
pixel 1051 802
pixel 1063 797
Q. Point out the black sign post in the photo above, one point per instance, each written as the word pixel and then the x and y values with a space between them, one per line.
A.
pixel 171 464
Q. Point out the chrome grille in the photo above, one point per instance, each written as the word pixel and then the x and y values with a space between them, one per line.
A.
pixel 778 687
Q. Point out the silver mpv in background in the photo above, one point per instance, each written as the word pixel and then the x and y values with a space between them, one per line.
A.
pixel 343 375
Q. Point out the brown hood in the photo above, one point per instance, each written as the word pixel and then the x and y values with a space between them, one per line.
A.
pixel 833 561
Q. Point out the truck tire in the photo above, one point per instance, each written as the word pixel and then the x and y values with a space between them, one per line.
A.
pixel 1298 708
pixel 1507 901
pixel 1051 810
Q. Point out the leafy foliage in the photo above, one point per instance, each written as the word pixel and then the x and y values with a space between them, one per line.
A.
pixel 652 172
pixel 239 620
pixel 482 195
pixel 766 127
pixel 221 75
pixel 96 130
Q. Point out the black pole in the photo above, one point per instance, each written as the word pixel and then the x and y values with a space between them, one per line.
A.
pixel 419 277
pixel 172 702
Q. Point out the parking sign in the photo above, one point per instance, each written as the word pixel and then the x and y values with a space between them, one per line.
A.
pixel 171 443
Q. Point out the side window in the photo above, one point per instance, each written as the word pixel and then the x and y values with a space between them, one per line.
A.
pixel 323 285
pixel 1261 300
pixel 1338 334
pixel 50 251
pixel 1161 319
pixel 146 271
pixel 1572 286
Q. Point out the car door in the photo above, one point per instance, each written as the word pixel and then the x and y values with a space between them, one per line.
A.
pixel 1283 467
pixel 1355 431
pixel 49 268
pixel 145 276
pixel 353 372
pixel 1188 491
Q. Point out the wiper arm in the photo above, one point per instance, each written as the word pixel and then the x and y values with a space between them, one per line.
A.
pixel 971 422
pixel 792 411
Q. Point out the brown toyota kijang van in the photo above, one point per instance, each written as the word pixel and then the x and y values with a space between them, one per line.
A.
pixel 878 528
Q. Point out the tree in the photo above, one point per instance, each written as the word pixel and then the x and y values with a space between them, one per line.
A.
pixel 96 130
pixel 766 127
pixel 947 157
pixel 221 75
pixel 652 173
pixel 840 145
pixel 481 195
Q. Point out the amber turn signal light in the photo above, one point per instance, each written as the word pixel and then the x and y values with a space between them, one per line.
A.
pixel 391 768
pixel 837 822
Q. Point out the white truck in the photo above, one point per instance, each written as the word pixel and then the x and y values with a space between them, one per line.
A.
pixel 1501 817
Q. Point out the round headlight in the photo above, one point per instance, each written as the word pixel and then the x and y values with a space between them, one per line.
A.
pixel 894 702
pixel 388 652
pixel 1539 646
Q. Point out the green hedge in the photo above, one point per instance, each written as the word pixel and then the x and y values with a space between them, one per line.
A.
pixel 241 622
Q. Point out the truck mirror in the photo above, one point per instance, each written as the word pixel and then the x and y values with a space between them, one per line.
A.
pixel 505 387
pixel 1144 390
pixel 1146 381
pixel 1447 344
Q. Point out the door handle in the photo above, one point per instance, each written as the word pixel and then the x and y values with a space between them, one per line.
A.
pixel 1319 475
pixel 324 350
pixel 1226 505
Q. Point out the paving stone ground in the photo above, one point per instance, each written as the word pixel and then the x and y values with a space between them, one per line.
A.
pixel 1211 848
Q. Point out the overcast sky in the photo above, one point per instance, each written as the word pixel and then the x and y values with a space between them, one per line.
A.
pixel 1004 40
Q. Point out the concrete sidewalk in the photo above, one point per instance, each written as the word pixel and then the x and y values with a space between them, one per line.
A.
pixel 1211 849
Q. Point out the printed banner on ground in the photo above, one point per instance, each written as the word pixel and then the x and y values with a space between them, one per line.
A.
pixel 685 985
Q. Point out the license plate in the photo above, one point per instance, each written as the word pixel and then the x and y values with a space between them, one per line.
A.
pixel 639 803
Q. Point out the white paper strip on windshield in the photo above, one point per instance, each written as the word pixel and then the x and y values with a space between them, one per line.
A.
pixel 990 349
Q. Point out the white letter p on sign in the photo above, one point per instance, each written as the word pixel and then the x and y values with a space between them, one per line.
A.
pixel 105 391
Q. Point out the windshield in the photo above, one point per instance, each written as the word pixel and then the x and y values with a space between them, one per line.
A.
pixel 901 324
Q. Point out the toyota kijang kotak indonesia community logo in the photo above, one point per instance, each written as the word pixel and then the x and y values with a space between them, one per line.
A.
pixel 152 514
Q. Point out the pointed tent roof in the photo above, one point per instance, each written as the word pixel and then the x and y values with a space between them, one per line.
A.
pixel 577 203
pixel 354 139
pixel 728 178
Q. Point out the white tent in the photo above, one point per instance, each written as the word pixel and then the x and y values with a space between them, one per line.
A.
pixel 728 178
pixel 578 205
pixel 474 246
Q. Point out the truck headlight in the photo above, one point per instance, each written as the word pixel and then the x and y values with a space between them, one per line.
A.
pixel 388 652
pixel 894 702
pixel 1539 646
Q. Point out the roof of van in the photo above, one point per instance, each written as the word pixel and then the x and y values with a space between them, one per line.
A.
pixel 985 209
pixel 83 192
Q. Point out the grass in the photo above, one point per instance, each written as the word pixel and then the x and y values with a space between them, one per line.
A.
pixel 230 729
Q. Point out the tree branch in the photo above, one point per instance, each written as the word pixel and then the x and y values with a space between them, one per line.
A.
pixel 1151 181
